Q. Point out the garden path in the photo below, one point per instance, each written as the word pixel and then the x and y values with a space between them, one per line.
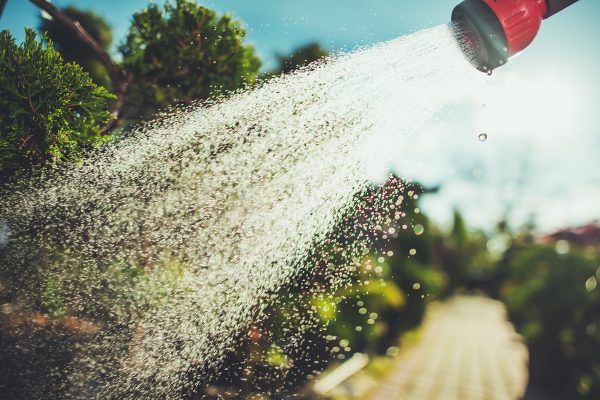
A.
pixel 468 351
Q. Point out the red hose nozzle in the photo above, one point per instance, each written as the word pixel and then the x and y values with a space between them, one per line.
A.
pixel 491 31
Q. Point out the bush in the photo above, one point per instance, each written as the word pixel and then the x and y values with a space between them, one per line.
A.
pixel 553 300
pixel 301 57
pixel 184 52
pixel 51 110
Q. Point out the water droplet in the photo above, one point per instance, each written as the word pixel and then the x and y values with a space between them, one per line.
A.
pixel 412 252
pixel 392 351
pixel 490 72
pixel 419 229
pixel 562 247
pixel 483 137
pixel 591 284
pixel 483 105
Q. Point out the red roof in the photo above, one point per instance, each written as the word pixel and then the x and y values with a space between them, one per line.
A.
pixel 586 235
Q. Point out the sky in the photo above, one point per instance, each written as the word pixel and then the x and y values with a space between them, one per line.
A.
pixel 541 112
pixel 278 26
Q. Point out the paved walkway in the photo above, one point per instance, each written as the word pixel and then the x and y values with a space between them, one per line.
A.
pixel 468 351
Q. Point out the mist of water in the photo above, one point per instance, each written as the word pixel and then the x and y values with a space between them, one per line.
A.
pixel 172 240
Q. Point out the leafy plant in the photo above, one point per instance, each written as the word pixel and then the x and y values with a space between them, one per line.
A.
pixel 300 57
pixel 51 110
pixel 554 301
pixel 184 52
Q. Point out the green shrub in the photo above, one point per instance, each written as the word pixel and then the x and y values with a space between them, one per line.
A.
pixel 553 300
pixel 301 57
pixel 181 53
pixel 51 110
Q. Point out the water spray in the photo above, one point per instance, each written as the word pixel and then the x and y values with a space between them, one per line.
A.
pixel 492 31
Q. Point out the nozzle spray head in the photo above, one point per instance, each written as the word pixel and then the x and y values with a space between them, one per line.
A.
pixel 492 31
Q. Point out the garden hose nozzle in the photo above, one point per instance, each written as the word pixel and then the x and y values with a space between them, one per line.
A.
pixel 492 31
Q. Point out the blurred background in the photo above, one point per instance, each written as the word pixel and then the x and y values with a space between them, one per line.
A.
pixel 490 292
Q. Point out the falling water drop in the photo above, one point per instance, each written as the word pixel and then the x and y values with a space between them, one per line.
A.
pixel 483 137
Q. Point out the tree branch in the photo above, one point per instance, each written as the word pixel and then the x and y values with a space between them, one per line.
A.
pixel 121 88
pixel 82 35
pixel 120 80
pixel 2 4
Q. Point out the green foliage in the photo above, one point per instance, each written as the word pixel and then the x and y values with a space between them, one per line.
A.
pixel 463 255
pixel 73 50
pixel 184 52
pixel 51 110
pixel 52 299
pixel 349 301
pixel 554 301
pixel 300 57
pixel 62 285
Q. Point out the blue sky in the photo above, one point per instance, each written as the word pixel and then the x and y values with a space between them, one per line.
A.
pixel 281 25
pixel 543 113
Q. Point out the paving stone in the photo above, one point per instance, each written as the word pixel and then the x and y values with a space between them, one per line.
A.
pixel 468 351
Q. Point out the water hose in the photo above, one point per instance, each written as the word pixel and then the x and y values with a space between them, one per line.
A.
pixel 492 31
